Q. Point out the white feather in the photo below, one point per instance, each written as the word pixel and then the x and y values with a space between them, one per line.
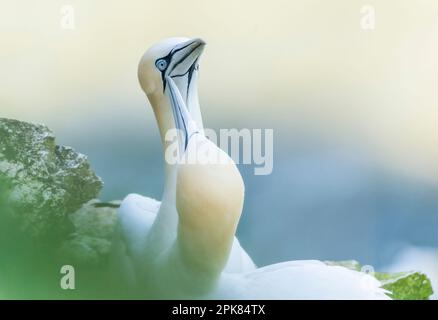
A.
pixel 137 215
pixel 300 280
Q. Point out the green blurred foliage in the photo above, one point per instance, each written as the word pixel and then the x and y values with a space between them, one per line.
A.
pixel 413 285
pixel 406 285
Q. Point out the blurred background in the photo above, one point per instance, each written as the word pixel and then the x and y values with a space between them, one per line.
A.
pixel 354 111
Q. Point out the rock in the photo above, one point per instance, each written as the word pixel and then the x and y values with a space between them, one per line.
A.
pixel 94 224
pixel 85 250
pixel 349 264
pixel 96 219
pixel 413 285
pixel 43 182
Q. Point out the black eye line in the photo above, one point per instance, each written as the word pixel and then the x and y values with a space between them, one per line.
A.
pixel 168 57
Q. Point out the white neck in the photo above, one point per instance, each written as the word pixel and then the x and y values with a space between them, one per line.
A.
pixel 192 235
pixel 164 230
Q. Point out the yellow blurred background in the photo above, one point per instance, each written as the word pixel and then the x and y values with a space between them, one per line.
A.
pixel 307 64
pixel 304 68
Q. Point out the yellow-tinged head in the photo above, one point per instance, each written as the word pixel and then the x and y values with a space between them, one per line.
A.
pixel 176 58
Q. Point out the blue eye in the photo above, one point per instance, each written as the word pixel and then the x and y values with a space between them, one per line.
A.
pixel 161 64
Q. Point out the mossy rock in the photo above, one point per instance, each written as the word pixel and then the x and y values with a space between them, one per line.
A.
pixel 413 285
pixel 44 182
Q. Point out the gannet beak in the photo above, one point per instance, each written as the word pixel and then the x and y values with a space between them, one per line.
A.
pixel 184 122
pixel 184 61
pixel 185 56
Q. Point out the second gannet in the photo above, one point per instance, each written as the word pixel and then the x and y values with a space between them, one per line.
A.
pixel 207 199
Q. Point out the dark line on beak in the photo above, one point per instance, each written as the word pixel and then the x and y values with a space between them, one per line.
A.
pixel 189 78
pixel 185 57
pixel 179 49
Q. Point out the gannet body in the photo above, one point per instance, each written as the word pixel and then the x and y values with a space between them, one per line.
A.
pixel 181 247
pixel 149 227
pixel 138 214
pixel 299 280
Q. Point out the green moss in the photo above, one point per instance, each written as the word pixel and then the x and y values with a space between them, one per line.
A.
pixel 406 285
pixel 45 182
pixel 412 285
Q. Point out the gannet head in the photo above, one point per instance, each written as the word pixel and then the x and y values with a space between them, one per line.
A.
pixel 175 58
pixel 168 74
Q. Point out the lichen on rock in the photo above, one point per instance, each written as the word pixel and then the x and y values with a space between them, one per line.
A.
pixel 413 285
pixel 95 225
pixel 44 182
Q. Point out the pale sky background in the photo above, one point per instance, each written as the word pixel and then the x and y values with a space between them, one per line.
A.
pixel 304 63
pixel 304 68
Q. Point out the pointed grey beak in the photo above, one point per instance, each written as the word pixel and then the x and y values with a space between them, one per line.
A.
pixel 184 60
pixel 185 56
pixel 184 123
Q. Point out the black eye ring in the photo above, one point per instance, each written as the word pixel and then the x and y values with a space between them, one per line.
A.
pixel 161 64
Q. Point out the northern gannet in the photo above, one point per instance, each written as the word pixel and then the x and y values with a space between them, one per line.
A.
pixel 149 227
pixel 187 257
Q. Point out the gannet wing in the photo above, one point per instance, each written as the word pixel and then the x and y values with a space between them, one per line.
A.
pixel 239 260
pixel 136 216
pixel 301 280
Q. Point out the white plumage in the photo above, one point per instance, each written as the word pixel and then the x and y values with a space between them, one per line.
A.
pixel 306 279
pixel 137 215
pixel 184 247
